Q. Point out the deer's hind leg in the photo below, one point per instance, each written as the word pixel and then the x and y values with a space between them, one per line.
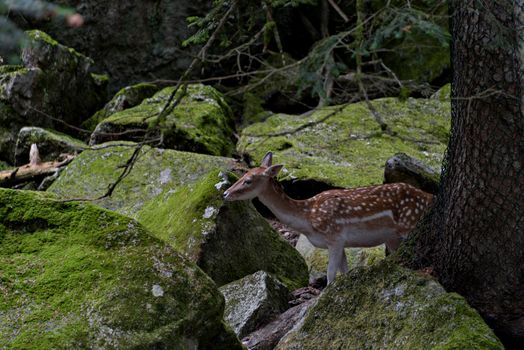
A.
pixel 343 265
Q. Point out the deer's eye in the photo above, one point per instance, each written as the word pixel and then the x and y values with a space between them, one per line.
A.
pixel 248 181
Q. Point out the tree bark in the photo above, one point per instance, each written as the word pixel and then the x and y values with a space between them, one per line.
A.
pixel 474 237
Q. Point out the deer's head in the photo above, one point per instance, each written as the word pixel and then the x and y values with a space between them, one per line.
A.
pixel 254 181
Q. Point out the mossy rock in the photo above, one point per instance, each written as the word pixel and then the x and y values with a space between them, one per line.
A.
pixel 386 306
pixel 154 172
pixel 344 146
pixel 125 98
pixel 228 240
pixel 169 191
pixel 50 144
pixel 201 123
pixel 317 259
pixel 77 276
pixel 53 89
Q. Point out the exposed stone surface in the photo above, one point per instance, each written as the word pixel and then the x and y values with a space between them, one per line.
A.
pixel 77 276
pixel 267 337
pixel 348 149
pixel 386 306
pixel 253 301
pixel 202 122
pixel 50 144
pixel 403 168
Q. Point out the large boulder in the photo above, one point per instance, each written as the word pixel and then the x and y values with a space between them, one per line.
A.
pixel 132 41
pixel 343 146
pixel 178 196
pixel 253 301
pixel 78 276
pixel 54 89
pixel 386 306
pixel 202 122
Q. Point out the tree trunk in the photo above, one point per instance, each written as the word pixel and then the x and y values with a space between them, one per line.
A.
pixel 474 237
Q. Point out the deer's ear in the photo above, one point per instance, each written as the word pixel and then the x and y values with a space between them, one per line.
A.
pixel 273 170
pixel 267 160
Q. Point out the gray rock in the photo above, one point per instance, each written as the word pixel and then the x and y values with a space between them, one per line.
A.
pixel 403 168
pixel 50 144
pixel 267 337
pixel 253 301
pixel 386 306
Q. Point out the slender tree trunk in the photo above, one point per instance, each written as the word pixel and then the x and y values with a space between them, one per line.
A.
pixel 474 238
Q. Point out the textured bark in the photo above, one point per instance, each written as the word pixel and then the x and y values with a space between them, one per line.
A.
pixel 474 238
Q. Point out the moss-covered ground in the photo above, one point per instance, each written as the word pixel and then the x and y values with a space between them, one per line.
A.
pixel 348 148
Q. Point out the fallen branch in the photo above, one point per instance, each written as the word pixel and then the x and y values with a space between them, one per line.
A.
pixel 32 172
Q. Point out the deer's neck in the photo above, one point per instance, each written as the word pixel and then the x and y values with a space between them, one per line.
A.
pixel 289 211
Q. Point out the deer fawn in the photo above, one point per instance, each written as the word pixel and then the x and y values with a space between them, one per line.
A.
pixel 334 219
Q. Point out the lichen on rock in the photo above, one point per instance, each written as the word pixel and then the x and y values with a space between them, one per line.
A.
pixel 202 122
pixel 78 276
pixel 386 306
pixel 348 148
pixel 253 301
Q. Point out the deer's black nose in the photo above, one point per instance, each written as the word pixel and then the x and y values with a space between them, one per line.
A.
pixel 225 195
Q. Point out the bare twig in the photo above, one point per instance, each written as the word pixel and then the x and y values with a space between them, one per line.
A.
pixel 338 10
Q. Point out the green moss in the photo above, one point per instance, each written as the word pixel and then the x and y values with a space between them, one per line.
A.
pixel 389 307
pixel 10 68
pixel 348 148
pixel 201 123
pixel 100 79
pixel 125 98
pixel 78 276
pixel 443 94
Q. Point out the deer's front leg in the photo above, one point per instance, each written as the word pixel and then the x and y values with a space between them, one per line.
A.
pixel 336 254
